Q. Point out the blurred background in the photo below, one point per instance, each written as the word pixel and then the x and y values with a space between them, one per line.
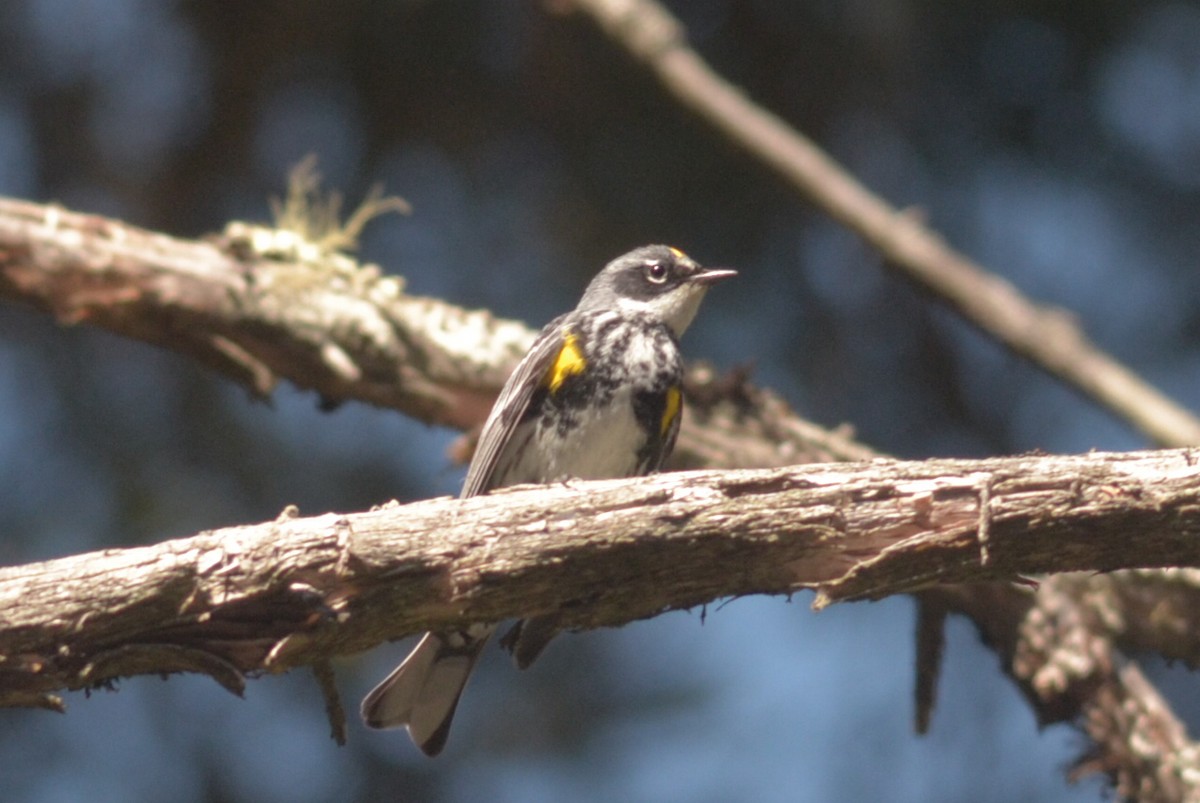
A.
pixel 1059 144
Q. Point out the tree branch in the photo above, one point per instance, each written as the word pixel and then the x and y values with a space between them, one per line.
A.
pixel 257 314
pixel 1069 669
pixel 1048 337
pixel 296 591
pixel 1116 706
pixel 155 288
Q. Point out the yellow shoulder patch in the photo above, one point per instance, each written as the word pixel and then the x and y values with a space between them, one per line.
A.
pixel 670 410
pixel 570 361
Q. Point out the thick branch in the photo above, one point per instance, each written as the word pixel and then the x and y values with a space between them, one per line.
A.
pixel 1049 337
pixel 296 591
pixel 332 326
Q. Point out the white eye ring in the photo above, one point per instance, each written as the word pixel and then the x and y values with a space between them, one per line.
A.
pixel 657 272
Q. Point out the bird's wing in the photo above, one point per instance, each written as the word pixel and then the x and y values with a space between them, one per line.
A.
pixel 530 374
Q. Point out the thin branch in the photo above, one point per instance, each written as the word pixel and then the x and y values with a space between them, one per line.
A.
pixel 1047 336
pixel 334 712
pixel 1139 743
pixel 931 643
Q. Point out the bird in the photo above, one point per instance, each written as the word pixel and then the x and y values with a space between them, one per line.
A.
pixel 597 396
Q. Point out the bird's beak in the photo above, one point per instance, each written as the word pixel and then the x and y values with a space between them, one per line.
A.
pixel 707 276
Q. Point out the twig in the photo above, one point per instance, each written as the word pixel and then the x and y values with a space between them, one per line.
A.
pixel 931 643
pixel 336 714
pixel 1049 337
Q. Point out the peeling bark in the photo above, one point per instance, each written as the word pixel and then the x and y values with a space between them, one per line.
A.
pixel 296 591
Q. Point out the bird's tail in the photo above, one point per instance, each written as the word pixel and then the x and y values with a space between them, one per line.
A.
pixel 423 692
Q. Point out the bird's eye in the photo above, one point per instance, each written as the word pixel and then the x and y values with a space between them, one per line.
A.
pixel 657 272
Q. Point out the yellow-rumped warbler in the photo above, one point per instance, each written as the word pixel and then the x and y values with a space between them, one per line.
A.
pixel 597 397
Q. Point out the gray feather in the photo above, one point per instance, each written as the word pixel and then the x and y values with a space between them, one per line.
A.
pixel 423 692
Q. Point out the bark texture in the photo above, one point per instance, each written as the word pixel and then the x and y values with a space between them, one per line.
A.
pixel 295 591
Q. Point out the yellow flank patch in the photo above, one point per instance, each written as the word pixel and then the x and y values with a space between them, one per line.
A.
pixel 670 409
pixel 678 254
pixel 570 361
